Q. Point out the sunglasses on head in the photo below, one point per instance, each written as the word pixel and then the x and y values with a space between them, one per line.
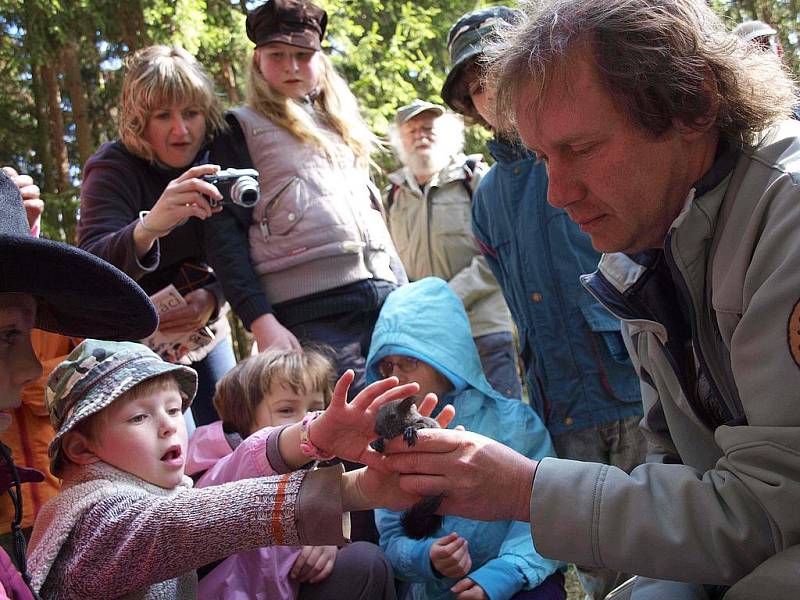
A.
pixel 406 364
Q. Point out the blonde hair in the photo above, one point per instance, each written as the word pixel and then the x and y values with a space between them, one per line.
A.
pixel 335 104
pixel 242 389
pixel 158 77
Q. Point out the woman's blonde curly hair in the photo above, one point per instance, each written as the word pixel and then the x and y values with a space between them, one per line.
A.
pixel 160 77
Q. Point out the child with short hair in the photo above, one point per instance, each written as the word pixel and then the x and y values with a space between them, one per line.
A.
pixel 272 390
pixel 423 335
pixel 127 520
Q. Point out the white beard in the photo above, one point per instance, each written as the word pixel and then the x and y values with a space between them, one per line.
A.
pixel 426 162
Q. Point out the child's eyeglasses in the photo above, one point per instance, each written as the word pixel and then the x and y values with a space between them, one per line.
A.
pixel 406 364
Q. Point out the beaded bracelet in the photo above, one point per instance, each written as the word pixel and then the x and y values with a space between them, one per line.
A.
pixel 307 447
pixel 158 232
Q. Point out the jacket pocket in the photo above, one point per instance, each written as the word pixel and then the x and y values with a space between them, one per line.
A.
pixel 284 207
pixel 610 354
pixel 451 215
pixel 601 322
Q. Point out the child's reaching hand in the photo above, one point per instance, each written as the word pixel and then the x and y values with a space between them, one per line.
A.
pixel 450 556
pixel 314 563
pixel 345 429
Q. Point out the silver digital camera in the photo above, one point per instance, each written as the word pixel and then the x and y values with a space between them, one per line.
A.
pixel 237 186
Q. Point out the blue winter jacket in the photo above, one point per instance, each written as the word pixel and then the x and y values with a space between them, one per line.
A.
pixel 425 319
pixel 577 369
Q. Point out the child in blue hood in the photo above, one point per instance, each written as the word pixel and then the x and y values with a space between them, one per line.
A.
pixel 423 335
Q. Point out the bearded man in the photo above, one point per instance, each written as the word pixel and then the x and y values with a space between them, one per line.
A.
pixel 428 205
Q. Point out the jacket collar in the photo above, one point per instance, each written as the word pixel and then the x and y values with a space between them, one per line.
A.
pixel 724 162
pixel 507 151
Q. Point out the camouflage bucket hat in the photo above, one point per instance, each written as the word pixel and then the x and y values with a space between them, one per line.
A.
pixel 94 375
pixel 465 42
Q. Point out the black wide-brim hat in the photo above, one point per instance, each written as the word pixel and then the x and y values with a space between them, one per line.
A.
pixel 77 293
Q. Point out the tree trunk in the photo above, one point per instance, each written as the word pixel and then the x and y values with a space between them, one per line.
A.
pixel 77 96
pixel 229 80
pixel 134 30
pixel 59 148
pixel 42 143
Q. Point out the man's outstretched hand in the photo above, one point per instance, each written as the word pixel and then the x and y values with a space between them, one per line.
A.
pixel 480 478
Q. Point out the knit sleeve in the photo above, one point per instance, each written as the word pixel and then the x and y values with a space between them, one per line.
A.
pixel 143 539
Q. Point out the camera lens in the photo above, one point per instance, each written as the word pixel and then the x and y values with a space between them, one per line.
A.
pixel 245 191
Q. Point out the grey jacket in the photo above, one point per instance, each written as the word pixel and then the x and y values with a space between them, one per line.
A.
pixel 727 432
pixel 432 231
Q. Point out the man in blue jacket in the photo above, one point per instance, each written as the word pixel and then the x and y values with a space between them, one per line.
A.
pixel 423 335
pixel 578 373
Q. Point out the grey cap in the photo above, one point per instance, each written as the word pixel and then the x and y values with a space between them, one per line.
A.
pixel 750 30
pixel 417 107
pixel 94 375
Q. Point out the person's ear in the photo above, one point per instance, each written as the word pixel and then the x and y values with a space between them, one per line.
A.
pixel 78 448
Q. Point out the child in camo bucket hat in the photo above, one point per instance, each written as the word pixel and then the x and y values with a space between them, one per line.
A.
pixel 95 374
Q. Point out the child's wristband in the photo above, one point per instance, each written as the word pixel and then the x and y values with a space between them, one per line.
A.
pixel 307 447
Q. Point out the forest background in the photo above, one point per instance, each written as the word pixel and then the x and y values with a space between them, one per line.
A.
pixel 61 66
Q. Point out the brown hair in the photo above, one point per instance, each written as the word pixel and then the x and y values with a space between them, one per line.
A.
pixel 661 60
pixel 242 389
pixel 158 77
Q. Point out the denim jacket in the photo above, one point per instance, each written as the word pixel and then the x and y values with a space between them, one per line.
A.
pixel 576 366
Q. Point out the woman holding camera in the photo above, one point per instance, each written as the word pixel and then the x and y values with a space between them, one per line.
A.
pixel 143 198
pixel 313 261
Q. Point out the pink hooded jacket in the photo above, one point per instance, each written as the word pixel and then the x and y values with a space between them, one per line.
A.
pixel 258 574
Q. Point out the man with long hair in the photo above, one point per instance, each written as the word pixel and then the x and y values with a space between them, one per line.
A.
pixel 669 142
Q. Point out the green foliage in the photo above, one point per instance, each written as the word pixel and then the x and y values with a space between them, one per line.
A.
pixel 391 51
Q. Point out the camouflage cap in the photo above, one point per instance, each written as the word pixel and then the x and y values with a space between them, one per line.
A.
pixel 465 42
pixel 94 375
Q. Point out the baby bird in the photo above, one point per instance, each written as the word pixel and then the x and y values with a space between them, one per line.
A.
pixel 400 417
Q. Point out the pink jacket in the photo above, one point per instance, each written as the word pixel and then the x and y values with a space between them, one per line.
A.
pixel 12 587
pixel 258 574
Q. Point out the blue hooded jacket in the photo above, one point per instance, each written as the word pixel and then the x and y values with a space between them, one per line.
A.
pixel 425 319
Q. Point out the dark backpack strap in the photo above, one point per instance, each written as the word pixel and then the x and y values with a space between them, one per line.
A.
pixel 390 196
pixel 472 162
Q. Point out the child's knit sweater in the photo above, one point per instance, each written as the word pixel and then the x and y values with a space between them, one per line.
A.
pixel 110 534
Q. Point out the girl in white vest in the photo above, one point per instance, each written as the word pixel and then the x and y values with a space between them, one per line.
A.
pixel 313 259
